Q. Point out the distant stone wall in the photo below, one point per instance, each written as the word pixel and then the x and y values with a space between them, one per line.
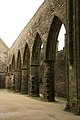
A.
pixel 3 62
pixel 60 74
pixel 2 80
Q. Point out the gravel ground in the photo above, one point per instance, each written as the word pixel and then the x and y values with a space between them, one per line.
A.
pixel 15 106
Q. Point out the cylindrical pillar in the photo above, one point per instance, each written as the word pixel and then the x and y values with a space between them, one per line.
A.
pixel 48 81
pixel 13 80
pixel 18 81
pixel 25 79
pixel 34 81
pixel 7 81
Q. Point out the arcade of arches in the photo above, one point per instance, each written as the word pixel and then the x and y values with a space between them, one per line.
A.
pixel 31 66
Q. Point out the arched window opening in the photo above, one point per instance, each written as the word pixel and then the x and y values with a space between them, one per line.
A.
pixel 13 62
pixel 9 67
pixel 55 72
pixel 19 61
pixel 18 75
pixel 35 65
pixel 26 56
pixel 36 49
pixel 61 38
pixel 25 70
pixel 41 46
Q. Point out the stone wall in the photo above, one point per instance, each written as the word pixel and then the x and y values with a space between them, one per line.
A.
pixel 40 23
pixel 36 33
pixel 60 74
pixel 3 62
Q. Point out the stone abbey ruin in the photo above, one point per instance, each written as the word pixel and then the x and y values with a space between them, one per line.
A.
pixel 35 67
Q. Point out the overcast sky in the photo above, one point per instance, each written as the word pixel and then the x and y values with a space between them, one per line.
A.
pixel 14 16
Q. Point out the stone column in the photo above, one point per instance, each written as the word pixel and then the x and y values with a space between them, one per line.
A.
pixel 25 79
pixel 48 81
pixel 9 75
pixel 13 79
pixel 69 22
pixel 69 51
pixel 77 51
pixel 73 36
pixel 7 81
pixel 34 80
pixel 18 81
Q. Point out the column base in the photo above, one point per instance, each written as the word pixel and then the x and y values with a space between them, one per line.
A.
pixel 75 110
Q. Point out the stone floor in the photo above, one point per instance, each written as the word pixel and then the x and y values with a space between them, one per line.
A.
pixel 21 107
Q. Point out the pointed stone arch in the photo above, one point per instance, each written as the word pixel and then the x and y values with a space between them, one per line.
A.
pixel 9 68
pixel 13 62
pixel 52 38
pixel 26 56
pixel 19 60
pixel 34 77
pixel 48 78
pixel 25 69
pixel 13 73
pixel 8 80
pixel 18 73
pixel 36 49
